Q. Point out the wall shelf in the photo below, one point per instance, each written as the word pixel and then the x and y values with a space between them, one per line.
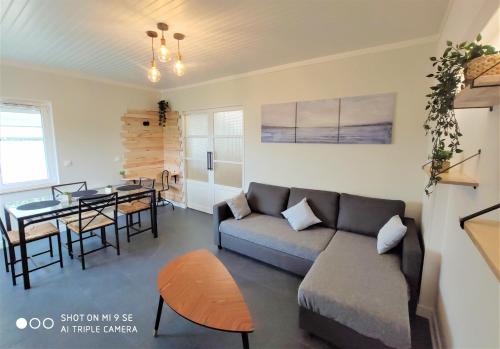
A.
pixel 485 234
pixel 484 92
pixel 456 178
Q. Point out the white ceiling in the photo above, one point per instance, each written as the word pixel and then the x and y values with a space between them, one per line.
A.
pixel 107 39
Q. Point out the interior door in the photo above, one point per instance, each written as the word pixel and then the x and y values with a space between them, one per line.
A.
pixel 199 189
pixel 228 154
pixel 213 157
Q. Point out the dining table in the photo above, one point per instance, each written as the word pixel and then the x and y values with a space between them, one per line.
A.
pixel 40 209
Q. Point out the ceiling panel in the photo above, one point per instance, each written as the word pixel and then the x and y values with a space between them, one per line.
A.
pixel 107 39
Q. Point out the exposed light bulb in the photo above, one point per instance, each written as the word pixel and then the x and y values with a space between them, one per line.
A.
pixel 179 69
pixel 164 52
pixel 154 74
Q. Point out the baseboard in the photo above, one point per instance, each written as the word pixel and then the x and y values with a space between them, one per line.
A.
pixel 178 204
pixel 430 314
pixel 200 208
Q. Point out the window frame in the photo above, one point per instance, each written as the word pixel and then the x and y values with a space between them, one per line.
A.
pixel 49 146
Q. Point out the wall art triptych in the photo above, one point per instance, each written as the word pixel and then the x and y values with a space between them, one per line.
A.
pixel 350 120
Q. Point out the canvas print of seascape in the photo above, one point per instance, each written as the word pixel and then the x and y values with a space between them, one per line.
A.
pixel 367 119
pixel 278 123
pixel 318 121
pixel 350 120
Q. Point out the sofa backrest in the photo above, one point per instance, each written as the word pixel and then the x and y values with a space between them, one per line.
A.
pixel 324 204
pixel 267 199
pixel 364 215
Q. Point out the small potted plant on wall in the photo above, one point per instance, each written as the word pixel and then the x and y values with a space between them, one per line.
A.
pixel 163 108
pixel 457 67
pixel 442 159
pixel 122 173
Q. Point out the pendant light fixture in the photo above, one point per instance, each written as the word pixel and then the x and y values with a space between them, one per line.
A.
pixel 154 74
pixel 179 69
pixel 163 51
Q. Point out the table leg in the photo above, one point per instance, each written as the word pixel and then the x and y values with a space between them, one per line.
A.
pixel 158 316
pixel 244 337
pixel 154 222
pixel 24 254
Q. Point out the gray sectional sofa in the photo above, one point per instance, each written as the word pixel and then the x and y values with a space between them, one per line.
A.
pixel 350 295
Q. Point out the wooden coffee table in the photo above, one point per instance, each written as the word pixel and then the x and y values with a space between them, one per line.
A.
pixel 198 287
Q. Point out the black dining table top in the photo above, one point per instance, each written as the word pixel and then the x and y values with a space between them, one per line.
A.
pixel 22 208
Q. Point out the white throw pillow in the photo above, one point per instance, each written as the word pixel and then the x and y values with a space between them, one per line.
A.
pixel 300 216
pixel 239 206
pixel 390 234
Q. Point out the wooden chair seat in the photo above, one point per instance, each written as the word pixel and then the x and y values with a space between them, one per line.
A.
pixel 97 222
pixel 133 207
pixel 33 232
pixel 74 218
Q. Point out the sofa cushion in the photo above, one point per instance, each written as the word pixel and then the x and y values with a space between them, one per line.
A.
pixel 267 199
pixel 364 215
pixel 324 204
pixel 352 284
pixel 239 206
pixel 277 234
pixel 300 216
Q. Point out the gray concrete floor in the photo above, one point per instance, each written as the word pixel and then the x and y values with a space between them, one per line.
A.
pixel 126 284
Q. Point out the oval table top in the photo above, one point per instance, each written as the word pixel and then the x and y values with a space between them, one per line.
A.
pixel 198 287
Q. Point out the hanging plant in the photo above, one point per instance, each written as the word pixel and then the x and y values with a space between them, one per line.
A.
pixel 441 122
pixel 163 109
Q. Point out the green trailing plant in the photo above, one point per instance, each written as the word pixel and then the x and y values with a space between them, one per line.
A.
pixel 441 122
pixel 122 173
pixel 443 155
pixel 163 108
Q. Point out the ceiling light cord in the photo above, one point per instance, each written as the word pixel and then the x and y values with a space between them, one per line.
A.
pixel 153 48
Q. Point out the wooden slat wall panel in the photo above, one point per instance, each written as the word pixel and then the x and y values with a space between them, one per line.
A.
pixel 173 156
pixel 148 150
pixel 144 153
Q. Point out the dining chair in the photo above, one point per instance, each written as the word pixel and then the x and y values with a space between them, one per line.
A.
pixel 105 208
pixel 137 206
pixel 36 232
pixel 60 189
pixel 164 187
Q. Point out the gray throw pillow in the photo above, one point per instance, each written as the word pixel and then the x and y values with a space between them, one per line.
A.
pixel 300 216
pixel 390 234
pixel 239 206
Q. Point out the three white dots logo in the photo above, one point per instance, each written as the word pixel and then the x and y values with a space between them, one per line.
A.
pixel 34 323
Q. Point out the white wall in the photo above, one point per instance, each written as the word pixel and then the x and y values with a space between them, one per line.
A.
pixel 387 171
pixel 458 286
pixel 86 119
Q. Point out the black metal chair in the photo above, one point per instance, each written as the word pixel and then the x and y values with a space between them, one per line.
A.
pixel 100 205
pixel 33 233
pixel 60 189
pixel 165 175
pixel 137 206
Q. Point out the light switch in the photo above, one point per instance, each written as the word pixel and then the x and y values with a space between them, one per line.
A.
pixel 67 163
pixel 117 158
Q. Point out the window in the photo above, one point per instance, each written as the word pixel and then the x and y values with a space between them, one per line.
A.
pixel 27 149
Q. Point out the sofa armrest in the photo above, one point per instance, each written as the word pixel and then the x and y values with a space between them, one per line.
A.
pixel 221 213
pixel 411 261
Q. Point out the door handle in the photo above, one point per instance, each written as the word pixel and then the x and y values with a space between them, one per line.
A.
pixel 210 165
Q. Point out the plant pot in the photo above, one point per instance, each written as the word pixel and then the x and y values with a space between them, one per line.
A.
pixel 66 198
pixel 482 66
pixel 108 190
pixel 445 164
